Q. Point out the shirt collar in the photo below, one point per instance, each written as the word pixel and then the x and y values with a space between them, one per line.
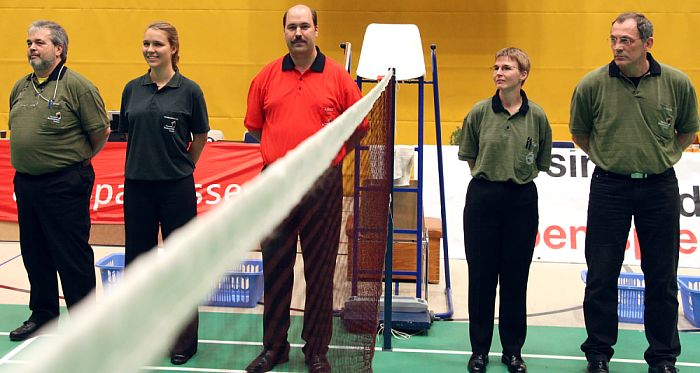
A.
pixel 53 76
pixel 174 82
pixel 654 67
pixel 497 105
pixel 317 66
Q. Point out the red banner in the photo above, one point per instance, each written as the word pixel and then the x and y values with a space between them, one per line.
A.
pixel 221 171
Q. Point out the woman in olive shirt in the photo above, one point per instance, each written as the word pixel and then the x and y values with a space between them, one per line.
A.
pixel 506 140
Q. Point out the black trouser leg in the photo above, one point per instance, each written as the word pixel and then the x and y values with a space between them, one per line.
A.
pixel 41 270
pixel 482 243
pixel 178 207
pixel 656 218
pixel 54 220
pixel 520 232
pixel 279 251
pixel 140 218
pixel 319 242
pixel 609 219
pixel 500 226
pixel 173 203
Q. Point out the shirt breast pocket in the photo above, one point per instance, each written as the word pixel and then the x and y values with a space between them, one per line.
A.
pixel 56 117
pixel 526 163
pixel 328 114
pixel 169 124
pixel 664 127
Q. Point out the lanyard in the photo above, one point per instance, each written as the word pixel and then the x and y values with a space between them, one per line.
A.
pixel 51 101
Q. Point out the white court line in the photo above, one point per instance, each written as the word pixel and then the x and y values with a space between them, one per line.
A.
pixel 219 342
pixel 185 369
pixel 534 356
pixel 8 357
pixel 294 345
pixel 170 368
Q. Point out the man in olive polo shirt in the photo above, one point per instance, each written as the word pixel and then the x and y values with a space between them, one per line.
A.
pixel 58 123
pixel 633 117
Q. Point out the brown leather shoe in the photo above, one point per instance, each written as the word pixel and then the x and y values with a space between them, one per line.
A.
pixel 267 360
pixel 318 363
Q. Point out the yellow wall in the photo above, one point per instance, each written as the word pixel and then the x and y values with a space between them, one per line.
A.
pixel 224 43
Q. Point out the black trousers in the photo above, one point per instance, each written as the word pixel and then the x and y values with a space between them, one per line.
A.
pixel 655 205
pixel 54 228
pixel 316 221
pixel 500 227
pixel 169 204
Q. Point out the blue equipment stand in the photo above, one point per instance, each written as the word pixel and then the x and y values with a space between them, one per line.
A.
pixel 403 320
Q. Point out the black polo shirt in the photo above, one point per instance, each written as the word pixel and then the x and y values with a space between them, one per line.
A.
pixel 160 124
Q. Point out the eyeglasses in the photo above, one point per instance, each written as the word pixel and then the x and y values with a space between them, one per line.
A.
pixel 505 68
pixel 624 40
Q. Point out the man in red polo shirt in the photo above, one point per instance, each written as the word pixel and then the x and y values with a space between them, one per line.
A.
pixel 290 100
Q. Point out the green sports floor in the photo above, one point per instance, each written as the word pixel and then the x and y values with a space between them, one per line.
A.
pixel 443 348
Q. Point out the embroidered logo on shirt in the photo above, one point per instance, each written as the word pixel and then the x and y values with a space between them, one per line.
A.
pixel 667 124
pixel 329 114
pixel 530 158
pixel 56 118
pixel 667 113
pixel 170 124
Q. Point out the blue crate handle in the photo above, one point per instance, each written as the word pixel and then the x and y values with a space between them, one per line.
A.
pixel 623 276
pixel 112 261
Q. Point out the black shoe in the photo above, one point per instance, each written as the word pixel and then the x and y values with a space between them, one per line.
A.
pixel 664 368
pixel 179 359
pixel 597 366
pixel 267 360
pixel 477 363
pixel 318 363
pixel 515 363
pixel 26 330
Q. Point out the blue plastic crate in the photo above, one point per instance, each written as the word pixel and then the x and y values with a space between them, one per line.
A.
pixel 111 270
pixel 630 296
pixel 241 287
pixel 690 294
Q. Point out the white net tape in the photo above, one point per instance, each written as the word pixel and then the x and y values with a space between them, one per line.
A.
pixel 140 319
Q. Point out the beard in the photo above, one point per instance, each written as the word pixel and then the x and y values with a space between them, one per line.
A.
pixel 41 64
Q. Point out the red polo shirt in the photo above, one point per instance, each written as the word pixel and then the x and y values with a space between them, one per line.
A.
pixel 288 106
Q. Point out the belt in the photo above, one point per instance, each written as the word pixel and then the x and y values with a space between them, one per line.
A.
pixel 634 176
pixel 74 166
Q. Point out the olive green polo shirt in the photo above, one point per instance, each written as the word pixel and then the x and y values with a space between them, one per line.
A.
pixel 48 137
pixel 506 147
pixel 633 129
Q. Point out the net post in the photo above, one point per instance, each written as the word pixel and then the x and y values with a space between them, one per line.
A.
pixel 346 46
pixel 419 193
pixel 391 116
pixel 441 181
